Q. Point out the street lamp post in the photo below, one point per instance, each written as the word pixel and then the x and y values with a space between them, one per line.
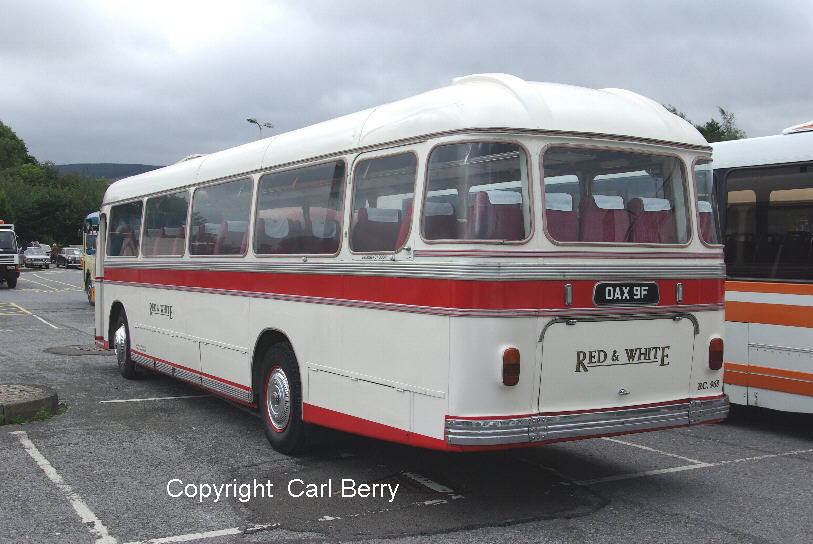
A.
pixel 260 126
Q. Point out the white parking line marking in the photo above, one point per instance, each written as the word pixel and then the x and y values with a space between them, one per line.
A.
pixel 633 475
pixel 647 448
pixel 208 534
pixel 93 523
pixel 154 398
pixel 47 323
pixel 426 482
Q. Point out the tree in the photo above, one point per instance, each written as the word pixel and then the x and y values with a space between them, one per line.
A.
pixel 714 130
pixel 42 204
pixel 13 151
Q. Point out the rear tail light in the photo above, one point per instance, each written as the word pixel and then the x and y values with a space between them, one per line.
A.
pixel 510 366
pixel 716 354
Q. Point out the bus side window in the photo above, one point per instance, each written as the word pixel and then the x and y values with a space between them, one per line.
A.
pixel 486 185
pixel 383 203
pixel 165 224
pixel 299 211
pixel 125 230
pixel 220 217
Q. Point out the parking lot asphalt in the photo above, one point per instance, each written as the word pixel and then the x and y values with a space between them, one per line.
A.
pixel 131 461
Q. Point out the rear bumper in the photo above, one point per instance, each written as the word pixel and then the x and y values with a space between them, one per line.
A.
pixel 552 427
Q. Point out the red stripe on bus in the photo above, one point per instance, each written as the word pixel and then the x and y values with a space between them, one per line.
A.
pixel 464 294
pixel 364 427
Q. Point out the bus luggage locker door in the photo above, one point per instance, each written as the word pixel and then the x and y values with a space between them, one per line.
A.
pixel 598 363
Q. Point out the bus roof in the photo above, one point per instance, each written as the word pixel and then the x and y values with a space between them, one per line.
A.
pixel 789 147
pixel 483 101
pixel 92 218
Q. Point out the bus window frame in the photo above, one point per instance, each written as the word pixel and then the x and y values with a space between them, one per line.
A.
pixel 531 199
pixel 282 170
pixel 107 255
pixel 249 233
pixel 719 225
pixel 686 187
pixel 188 216
pixel 371 156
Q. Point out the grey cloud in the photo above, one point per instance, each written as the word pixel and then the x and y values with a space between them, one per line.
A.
pixel 85 85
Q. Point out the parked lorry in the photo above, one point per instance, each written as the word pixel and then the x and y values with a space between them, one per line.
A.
pixel 9 259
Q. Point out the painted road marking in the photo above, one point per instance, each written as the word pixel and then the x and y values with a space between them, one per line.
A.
pixel 56 281
pixel 208 534
pixel 32 315
pixel 91 521
pixel 647 448
pixel 50 288
pixel 657 472
pixel 154 398
pixel 426 482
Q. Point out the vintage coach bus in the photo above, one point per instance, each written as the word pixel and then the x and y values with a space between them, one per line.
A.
pixel 496 263
pixel 766 191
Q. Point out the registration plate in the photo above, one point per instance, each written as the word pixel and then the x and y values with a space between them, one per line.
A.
pixel 610 293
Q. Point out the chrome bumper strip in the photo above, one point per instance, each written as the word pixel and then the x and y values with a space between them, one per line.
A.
pixel 546 428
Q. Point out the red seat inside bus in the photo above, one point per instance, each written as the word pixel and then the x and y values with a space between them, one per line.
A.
pixel 376 229
pixel 439 221
pixel 562 218
pixel 706 220
pixel 496 215
pixel 232 239
pixel 604 219
pixel 652 221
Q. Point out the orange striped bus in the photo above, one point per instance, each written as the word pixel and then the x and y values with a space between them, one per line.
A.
pixel 765 186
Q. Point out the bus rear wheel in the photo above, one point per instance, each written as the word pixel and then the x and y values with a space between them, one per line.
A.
pixel 121 343
pixel 281 400
pixel 12 283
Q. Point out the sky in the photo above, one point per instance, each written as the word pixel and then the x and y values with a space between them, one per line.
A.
pixel 153 81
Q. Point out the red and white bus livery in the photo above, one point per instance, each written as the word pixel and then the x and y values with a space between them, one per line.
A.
pixel 496 263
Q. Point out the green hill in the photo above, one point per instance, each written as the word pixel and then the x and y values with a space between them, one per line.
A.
pixel 109 171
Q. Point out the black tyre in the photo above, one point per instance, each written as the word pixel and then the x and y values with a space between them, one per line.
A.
pixel 281 400
pixel 12 283
pixel 121 343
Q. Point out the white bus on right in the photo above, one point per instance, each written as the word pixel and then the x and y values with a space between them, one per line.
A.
pixel 765 189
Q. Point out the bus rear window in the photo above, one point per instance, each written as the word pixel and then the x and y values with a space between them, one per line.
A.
pixel 125 230
pixel 599 195
pixel 477 191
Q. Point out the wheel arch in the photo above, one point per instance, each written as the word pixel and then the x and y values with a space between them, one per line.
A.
pixel 267 338
pixel 115 308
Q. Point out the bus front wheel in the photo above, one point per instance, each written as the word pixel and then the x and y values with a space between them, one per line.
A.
pixel 121 343
pixel 281 400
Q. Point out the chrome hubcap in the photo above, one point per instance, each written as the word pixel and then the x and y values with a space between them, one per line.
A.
pixel 278 399
pixel 120 343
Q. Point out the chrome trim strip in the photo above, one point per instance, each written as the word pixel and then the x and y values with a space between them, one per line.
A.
pixel 780 348
pixel 501 271
pixel 193 377
pixel 553 427
pixel 634 312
